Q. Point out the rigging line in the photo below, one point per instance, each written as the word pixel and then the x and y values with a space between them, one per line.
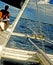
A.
pixel 38 17
pixel 45 19
pixel 49 41
pixel 40 25
pixel 31 30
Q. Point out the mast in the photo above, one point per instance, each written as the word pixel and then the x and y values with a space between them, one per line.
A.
pixel 12 27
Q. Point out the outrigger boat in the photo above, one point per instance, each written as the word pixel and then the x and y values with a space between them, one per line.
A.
pixel 19 56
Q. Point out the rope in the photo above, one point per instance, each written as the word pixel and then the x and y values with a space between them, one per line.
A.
pixel 45 19
pixel 40 25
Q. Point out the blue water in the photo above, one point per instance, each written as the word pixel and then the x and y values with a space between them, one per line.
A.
pixel 24 26
pixel 27 21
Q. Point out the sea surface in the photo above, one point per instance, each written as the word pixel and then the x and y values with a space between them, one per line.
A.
pixel 28 25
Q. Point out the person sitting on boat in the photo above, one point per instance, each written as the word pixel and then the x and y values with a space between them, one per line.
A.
pixel 5 15
pixel 2 24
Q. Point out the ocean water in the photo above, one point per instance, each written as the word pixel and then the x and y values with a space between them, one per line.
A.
pixel 25 26
pixel 27 22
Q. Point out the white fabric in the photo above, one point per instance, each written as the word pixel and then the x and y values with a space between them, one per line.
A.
pixel 2 25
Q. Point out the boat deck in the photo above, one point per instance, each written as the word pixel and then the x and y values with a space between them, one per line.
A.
pixel 4 35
